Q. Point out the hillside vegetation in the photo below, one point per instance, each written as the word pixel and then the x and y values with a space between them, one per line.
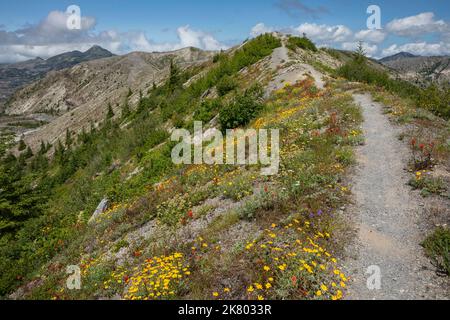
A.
pixel 198 231
pixel 431 98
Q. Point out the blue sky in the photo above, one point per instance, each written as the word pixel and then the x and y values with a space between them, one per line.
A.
pixel 122 26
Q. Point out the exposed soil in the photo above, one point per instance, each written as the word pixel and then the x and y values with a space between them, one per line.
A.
pixel 389 218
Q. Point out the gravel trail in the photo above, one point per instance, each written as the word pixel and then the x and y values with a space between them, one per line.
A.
pixel 293 73
pixel 387 215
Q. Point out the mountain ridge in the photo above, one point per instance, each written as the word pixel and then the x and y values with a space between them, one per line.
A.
pixel 80 94
pixel 420 70
pixel 17 75
pixel 397 56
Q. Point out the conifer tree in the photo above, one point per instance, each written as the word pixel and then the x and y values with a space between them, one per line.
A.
pixel 28 153
pixel 126 109
pixel 22 145
pixel 174 76
pixel 110 113
pixel 69 139
pixel 360 52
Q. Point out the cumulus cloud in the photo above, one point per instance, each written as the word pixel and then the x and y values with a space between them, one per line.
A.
pixel 260 28
pixel 187 37
pixel 198 39
pixel 374 36
pixel 419 48
pixel 341 36
pixel 417 25
pixel 324 33
pixel 51 37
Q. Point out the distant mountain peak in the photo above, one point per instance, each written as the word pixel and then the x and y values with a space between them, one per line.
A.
pixel 397 56
pixel 16 75
pixel 98 49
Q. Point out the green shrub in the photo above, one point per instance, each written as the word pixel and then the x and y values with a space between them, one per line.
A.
pixel 119 245
pixel 345 156
pixel 431 98
pixel 436 100
pixel 265 200
pixel 242 109
pixel 437 247
pixel 22 145
pixel 225 85
pixel 302 43
pixel 428 185
pixel 207 109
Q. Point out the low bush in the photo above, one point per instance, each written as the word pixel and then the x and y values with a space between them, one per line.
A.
pixel 173 210
pixel 207 109
pixel 237 188
pixel 225 85
pixel 244 108
pixel 302 43
pixel 427 185
pixel 437 247
pixel 431 98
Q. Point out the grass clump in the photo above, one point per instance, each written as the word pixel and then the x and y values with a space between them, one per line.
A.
pixel 237 188
pixel 173 211
pixel 427 184
pixel 437 247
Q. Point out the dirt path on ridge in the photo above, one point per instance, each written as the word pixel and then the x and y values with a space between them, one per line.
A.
pixel 387 214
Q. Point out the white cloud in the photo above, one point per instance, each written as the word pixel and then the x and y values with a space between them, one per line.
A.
pixel 259 29
pixel 51 37
pixel 198 39
pixel 374 36
pixel 324 33
pixel 138 41
pixel 340 35
pixel 419 48
pixel 417 25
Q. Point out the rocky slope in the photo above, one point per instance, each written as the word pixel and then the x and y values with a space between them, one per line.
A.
pixel 420 70
pixel 397 56
pixel 80 94
pixel 16 75
pixel 227 232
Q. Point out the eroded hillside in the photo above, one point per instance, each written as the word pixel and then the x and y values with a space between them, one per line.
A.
pixel 166 231
pixel 80 95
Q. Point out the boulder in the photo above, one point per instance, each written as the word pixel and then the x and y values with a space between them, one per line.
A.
pixel 102 207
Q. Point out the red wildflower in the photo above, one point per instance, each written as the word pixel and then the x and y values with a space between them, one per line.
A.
pixel 294 280
pixel 190 214
pixel 137 254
